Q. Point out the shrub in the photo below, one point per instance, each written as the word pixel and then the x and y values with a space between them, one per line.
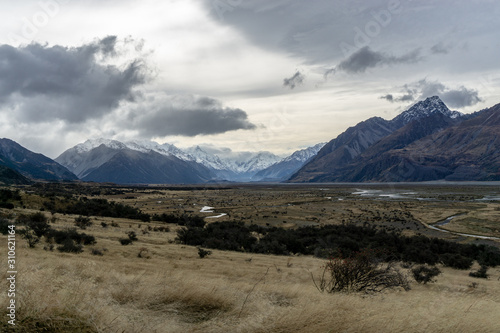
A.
pixel 125 241
pixel 456 260
pixel 60 236
pixel 4 226
pixel 7 205
pixel 203 253
pixel 36 222
pixel 70 246
pixel 363 272
pixel 30 236
pixel 103 207
pixel 132 236
pixel 480 273
pixel 143 253
pixel 96 252
pixel 425 274
pixel 104 224
pixel 83 222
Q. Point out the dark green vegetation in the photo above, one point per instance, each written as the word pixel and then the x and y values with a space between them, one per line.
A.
pixel 11 177
pixel 480 273
pixel 36 226
pixel 132 237
pixel 103 207
pixel 8 197
pixel 425 274
pixel 335 240
pixel 63 198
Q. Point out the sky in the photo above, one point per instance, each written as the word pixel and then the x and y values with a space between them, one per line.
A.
pixel 243 75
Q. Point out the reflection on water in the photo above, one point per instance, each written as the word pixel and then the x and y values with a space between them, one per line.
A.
pixel 402 194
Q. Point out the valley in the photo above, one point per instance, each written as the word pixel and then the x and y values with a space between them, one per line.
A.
pixel 156 284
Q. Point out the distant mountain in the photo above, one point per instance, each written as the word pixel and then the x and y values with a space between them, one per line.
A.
pixel 84 158
pixel 104 160
pixel 283 169
pixel 343 149
pixel 362 145
pixel 9 176
pixel 380 161
pixel 134 167
pixel 423 109
pixel 467 151
pixel 32 165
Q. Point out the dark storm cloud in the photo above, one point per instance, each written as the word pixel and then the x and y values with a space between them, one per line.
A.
pixel 388 97
pixel 365 58
pixel 392 99
pixel 454 98
pixel 191 116
pixel 322 33
pixel 45 83
pixel 296 80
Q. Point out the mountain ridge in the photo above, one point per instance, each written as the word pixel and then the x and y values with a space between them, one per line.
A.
pixel 436 144
pixel 30 164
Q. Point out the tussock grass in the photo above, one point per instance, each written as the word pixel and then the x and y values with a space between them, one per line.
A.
pixel 175 291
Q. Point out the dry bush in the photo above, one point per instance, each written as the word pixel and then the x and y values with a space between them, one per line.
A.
pixel 144 253
pixel 425 274
pixel 363 272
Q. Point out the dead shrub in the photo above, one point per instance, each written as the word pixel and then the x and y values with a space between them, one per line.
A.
pixel 363 272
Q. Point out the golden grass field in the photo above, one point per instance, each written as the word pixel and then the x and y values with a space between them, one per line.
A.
pixel 170 289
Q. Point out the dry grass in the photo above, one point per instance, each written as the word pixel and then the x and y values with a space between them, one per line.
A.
pixel 176 291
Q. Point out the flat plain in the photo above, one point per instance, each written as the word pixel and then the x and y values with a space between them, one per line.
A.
pixel 156 284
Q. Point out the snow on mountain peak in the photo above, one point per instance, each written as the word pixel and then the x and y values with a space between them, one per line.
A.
pixel 237 162
pixel 94 143
pixel 425 108
pixel 305 154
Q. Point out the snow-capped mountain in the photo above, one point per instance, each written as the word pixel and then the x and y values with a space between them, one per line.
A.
pixel 85 157
pixel 211 161
pixel 304 155
pixel 256 162
pixel 425 108
pixel 283 169
pixel 364 151
pixel 104 160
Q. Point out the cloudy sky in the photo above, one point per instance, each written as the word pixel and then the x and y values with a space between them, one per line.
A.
pixel 249 75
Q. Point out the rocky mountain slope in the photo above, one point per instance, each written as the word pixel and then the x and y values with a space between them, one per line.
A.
pixel 84 158
pixel 104 160
pixel 31 165
pixel 433 145
pixel 370 138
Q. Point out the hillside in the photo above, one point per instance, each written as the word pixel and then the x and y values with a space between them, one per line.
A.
pixel 133 167
pixel 9 176
pixel 30 164
pixel 433 143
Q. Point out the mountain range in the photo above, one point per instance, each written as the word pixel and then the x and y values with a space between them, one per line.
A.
pixel 426 142
pixel 103 160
